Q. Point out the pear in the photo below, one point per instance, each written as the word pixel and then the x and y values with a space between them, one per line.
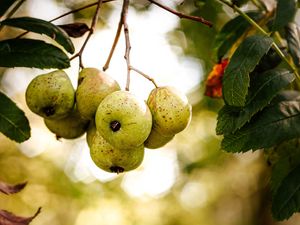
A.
pixel 156 140
pixel 170 110
pixel 123 120
pixel 51 95
pixel 70 127
pixel 93 86
pixel 112 159
pixel 90 133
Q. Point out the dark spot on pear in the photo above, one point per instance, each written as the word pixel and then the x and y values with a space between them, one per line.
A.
pixel 116 169
pixel 80 80
pixel 49 110
pixel 115 125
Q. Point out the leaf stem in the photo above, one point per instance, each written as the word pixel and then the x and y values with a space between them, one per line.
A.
pixel 181 15
pixel 259 28
pixel 92 29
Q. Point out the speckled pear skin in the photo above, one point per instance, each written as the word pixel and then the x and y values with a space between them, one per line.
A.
pixel 133 116
pixel 156 140
pixel 51 95
pixel 112 159
pixel 93 86
pixel 170 110
pixel 69 127
pixel 90 133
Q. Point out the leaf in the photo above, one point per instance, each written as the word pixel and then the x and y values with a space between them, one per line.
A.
pixel 75 30
pixel 292 35
pixel 42 27
pixel 7 218
pixel 236 77
pixel 13 122
pixel 276 123
pixel 31 53
pixel 232 31
pixel 264 87
pixel 5 5
pixel 11 189
pixel 269 61
pixel 286 200
pixel 285 13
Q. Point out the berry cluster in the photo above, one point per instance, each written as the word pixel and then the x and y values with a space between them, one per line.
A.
pixel 118 124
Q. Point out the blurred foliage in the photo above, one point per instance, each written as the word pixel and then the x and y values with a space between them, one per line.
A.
pixel 211 187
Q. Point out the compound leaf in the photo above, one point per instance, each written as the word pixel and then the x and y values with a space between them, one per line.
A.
pixel 263 88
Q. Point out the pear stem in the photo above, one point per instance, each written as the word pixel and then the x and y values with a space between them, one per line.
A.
pixel 144 75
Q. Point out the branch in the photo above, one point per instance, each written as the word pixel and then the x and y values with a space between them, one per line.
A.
pixel 127 41
pixel 92 29
pixel 181 15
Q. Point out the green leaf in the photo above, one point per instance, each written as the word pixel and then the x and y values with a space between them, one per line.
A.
pixel 13 122
pixel 286 200
pixel 42 27
pixel 285 13
pixel 236 77
pixel 232 31
pixel 31 53
pixel 292 34
pixel 5 5
pixel 263 88
pixel 276 123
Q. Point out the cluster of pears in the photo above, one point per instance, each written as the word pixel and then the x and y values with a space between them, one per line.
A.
pixel 117 123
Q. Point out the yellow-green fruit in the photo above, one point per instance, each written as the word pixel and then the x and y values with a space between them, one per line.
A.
pixel 170 110
pixel 93 86
pixel 156 140
pixel 70 127
pixel 90 133
pixel 123 120
pixel 51 95
pixel 112 159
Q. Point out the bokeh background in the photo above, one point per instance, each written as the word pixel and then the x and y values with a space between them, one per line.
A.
pixel 189 181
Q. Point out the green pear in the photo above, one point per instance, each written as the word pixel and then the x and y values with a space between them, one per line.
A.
pixel 112 159
pixel 69 127
pixel 93 86
pixel 156 140
pixel 90 133
pixel 123 120
pixel 170 110
pixel 51 95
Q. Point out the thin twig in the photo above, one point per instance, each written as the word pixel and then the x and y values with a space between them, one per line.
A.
pixel 118 33
pixel 127 40
pixel 181 15
pixel 13 11
pixel 70 12
pixel 144 75
pixel 92 29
